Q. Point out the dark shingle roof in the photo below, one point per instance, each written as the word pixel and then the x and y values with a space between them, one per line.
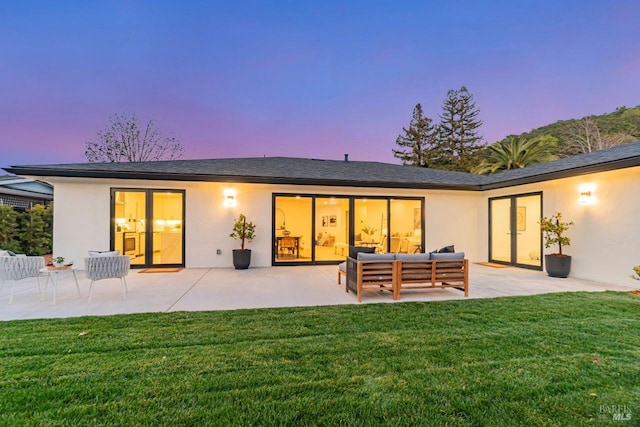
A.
pixel 286 170
pixel 623 156
pixel 281 170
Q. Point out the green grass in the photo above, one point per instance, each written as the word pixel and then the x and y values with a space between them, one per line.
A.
pixel 556 359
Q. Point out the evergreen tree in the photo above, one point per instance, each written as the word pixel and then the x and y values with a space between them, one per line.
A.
pixel 458 137
pixel 9 229
pixel 36 230
pixel 418 140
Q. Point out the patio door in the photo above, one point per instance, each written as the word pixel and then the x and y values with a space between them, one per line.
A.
pixel 514 231
pixel 148 225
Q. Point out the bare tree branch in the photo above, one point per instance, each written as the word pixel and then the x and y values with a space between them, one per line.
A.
pixel 584 136
pixel 123 141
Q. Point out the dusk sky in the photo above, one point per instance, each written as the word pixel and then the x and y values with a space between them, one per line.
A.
pixel 299 78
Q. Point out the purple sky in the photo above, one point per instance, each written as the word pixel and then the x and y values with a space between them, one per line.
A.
pixel 302 79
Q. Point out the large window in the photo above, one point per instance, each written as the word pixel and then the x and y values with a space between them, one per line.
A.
pixel 320 228
pixel 148 225
pixel 332 228
pixel 293 229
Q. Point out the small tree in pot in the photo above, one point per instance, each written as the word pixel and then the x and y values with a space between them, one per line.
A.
pixel 245 231
pixel 557 264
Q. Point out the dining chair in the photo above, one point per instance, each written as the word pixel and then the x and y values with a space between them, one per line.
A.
pixel 288 244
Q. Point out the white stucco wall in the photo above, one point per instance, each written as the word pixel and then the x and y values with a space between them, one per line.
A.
pixel 82 216
pixel 605 237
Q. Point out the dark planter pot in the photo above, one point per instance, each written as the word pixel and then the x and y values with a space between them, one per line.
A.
pixel 557 265
pixel 241 258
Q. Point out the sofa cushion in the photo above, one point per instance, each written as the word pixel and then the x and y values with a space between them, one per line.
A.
pixel 447 250
pixel 413 257
pixel 447 256
pixel 343 266
pixel 104 253
pixel 354 250
pixel 363 256
pixel 4 253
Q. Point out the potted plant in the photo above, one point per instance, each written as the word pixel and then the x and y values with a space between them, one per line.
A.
pixel 58 261
pixel 557 264
pixel 369 231
pixel 245 231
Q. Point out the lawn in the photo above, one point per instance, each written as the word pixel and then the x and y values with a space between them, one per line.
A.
pixel 558 359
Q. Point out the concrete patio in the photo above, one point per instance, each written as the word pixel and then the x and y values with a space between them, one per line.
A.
pixel 228 289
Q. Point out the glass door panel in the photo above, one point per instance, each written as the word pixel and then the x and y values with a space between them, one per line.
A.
pixel 528 230
pixel 500 249
pixel 167 240
pixel 293 242
pixel 332 229
pixel 130 209
pixel 370 224
pixel 406 226
pixel 515 232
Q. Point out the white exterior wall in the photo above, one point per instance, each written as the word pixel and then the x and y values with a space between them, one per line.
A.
pixel 605 237
pixel 452 218
pixel 82 216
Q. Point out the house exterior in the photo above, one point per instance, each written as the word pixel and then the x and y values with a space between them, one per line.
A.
pixel 22 193
pixel 307 211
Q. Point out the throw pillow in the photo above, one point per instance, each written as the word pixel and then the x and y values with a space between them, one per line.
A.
pixel 447 256
pixel 447 250
pixel 354 250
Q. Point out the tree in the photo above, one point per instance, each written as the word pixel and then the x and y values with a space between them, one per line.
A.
pixel 585 136
pixel 418 141
pixel 36 229
pixel 516 152
pixel 124 140
pixel 458 137
pixel 9 228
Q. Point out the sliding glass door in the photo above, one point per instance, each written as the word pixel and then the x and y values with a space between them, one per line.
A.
pixel 148 225
pixel 292 229
pixel 319 228
pixel 331 228
pixel 515 236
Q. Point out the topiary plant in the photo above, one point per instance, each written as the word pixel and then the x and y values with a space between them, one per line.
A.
pixel 243 230
pixel 553 229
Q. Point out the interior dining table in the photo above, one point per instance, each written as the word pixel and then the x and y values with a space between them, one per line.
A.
pixel 296 246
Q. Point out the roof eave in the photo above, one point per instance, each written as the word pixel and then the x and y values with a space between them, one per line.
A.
pixel 567 173
pixel 69 173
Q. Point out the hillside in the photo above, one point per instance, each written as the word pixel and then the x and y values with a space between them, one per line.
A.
pixel 591 133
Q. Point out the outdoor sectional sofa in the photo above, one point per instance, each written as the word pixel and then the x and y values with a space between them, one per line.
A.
pixel 396 272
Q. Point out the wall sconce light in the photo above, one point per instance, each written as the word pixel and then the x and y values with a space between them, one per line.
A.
pixel 586 196
pixel 230 198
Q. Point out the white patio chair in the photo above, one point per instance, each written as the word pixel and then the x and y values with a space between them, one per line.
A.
pixel 20 267
pixel 107 267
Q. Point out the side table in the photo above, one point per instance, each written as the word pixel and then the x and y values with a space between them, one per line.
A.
pixel 53 272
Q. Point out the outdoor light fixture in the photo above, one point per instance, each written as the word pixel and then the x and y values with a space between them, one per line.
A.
pixel 586 196
pixel 230 198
